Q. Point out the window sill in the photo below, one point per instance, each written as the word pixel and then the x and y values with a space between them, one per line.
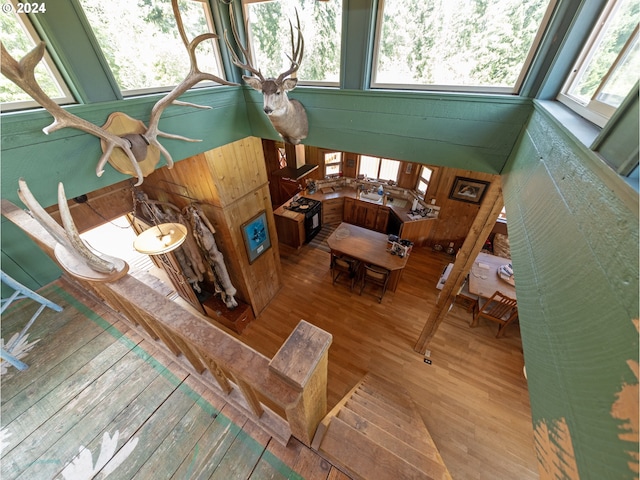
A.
pixel 572 123
pixel 580 129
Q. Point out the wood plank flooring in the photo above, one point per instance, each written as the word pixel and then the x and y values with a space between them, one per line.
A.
pixel 101 401
pixel 473 397
pixel 88 383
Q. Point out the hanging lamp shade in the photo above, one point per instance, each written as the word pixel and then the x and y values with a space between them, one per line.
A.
pixel 160 239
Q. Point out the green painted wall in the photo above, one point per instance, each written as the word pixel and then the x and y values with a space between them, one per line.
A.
pixel 573 229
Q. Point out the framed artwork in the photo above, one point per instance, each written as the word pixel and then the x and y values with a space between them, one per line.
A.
pixel 256 236
pixel 468 189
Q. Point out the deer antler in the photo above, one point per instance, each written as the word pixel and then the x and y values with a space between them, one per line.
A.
pixel 133 144
pixel 297 52
pixel 194 76
pixel 246 51
pixel 22 74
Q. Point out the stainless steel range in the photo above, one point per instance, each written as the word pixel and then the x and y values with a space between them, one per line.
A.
pixel 312 210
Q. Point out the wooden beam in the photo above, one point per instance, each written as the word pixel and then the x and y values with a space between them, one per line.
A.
pixel 473 243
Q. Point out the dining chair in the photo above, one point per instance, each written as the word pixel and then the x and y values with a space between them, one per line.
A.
pixel 344 264
pixel 376 275
pixel 500 309
pixel 470 299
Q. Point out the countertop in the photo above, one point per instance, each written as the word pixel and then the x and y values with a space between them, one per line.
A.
pixel 400 209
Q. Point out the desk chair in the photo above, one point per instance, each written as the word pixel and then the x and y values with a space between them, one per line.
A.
pixel 376 275
pixel 344 264
pixel 500 309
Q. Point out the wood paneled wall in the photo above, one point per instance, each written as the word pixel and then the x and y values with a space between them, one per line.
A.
pixel 101 206
pixel 455 217
pixel 230 183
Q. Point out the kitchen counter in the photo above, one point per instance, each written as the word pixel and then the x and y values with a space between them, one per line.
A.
pixel 401 210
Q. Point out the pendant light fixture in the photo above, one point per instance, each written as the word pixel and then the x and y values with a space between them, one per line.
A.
pixel 162 238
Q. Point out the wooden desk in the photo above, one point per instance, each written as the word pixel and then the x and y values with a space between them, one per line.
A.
pixel 485 281
pixel 368 247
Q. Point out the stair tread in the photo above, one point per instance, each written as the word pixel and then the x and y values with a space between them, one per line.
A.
pixel 392 425
pixel 376 404
pixel 419 454
pixel 364 458
pixel 403 404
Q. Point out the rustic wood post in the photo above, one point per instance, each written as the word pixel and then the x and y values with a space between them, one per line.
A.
pixel 473 243
pixel 302 362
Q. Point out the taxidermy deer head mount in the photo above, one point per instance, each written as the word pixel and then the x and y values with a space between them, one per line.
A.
pixel 287 116
pixel 129 145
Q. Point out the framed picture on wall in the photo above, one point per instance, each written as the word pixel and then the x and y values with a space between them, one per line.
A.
pixel 468 190
pixel 256 236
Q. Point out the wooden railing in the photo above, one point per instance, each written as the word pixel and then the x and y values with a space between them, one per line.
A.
pixel 286 395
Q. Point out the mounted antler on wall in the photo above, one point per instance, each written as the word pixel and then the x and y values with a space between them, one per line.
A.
pixel 287 116
pixel 130 146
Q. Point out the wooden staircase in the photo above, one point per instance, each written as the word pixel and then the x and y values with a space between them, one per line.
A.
pixel 377 432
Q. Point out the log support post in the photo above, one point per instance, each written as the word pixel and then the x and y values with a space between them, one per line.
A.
pixel 480 230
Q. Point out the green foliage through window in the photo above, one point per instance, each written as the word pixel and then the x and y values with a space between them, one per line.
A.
pixel 456 42
pixel 145 51
pixel 321 25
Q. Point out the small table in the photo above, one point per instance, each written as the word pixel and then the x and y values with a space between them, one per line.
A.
pixel 484 279
pixel 368 247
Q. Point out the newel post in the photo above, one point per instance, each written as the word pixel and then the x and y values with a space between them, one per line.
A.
pixel 302 362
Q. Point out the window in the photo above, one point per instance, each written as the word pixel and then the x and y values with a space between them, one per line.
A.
pixel 379 168
pixel 503 214
pixel 457 44
pixel 423 180
pixel 332 164
pixel 282 157
pixel 608 66
pixel 145 52
pixel 321 24
pixel 19 37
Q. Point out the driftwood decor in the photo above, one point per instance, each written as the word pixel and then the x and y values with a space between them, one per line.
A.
pixel 127 144
pixel 72 253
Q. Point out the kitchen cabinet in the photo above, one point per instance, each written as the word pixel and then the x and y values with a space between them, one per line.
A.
pixel 332 210
pixel 290 227
pixel 365 214
pixel 382 219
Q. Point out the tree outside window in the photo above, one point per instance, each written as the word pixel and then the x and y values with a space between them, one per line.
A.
pixel 145 53
pixel 482 45
pixel 19 37
pixel 321 24
pixel 607 68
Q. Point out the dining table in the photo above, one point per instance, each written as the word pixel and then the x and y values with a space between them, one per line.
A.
pixel 485 278
pixel 369 247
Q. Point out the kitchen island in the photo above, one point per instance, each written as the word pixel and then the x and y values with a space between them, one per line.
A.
pixel 369 247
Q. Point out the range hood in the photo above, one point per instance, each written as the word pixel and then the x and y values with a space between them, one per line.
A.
pixel 296 167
